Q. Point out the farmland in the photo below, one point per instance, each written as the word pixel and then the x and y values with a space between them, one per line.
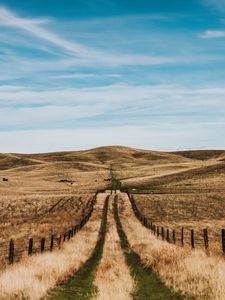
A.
pixel 42 195
pixel 46 193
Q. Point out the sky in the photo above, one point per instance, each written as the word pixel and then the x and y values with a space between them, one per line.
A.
pixel 77 74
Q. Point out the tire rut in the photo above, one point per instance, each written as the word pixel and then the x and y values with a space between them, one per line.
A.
pixel 149 286
pixel 81 285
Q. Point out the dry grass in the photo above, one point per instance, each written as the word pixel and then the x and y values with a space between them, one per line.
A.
pixel 34 188
pixel 191 272
pixel 34 203
pixel 190 211
pixel 32 278
pixel 113 279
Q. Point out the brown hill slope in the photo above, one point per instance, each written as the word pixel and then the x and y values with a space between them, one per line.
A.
pixel 201 154
pixel 131 166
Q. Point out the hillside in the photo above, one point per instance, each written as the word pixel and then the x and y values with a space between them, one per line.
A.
pixel 131 166
pixel 97 156
pixel 43 195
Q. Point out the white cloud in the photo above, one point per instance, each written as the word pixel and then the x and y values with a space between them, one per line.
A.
pixel 32 26
pixel 218 4
pixel 157 97
pixel 210 34
pixel 156 137
pixel 85 54
pixel 85 76
pixel 46 116
pixel 118 104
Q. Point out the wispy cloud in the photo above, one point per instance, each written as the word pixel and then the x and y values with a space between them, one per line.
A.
pixel 163 84
pixel 83 52
pixel 155 136
pixel 115 104
pixel 213 34
pixel 32 26
pixel 218 4
pixel 85 76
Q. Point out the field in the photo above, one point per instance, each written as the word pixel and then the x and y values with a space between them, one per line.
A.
pixel 45 194
pixel 172 197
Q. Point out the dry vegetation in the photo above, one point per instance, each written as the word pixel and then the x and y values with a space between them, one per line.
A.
pixel 32 278
pixel 113 279
pixel 190 211
pixel 180 189
pixel 192 272
pixel 44 195
pixel 34 203
pixel 47 193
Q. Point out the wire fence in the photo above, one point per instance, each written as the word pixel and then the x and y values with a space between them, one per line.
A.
pixel 15 250
pixel 181 236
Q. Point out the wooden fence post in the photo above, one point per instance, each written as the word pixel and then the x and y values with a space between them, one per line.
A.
pixel 167 235
pixel 64 236
pixel 30 247
pixel 192 239
pixel 162 232
pixel 144 221
pixel 11 251
pixel 174 237
pixel 154 229
pixel 42 245
pixel 182 236
pixel 157 231
pixel 223 240
pixel 59 241
pixel 206 239
pixel 68 235
pixel 52 243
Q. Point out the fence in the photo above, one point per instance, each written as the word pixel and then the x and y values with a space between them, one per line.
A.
pixel 50 243
pixel 173 236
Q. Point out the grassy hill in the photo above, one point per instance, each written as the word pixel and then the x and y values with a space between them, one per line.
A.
pixel 134 167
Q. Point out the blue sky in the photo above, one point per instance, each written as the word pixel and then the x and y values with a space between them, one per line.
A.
pixel 77 74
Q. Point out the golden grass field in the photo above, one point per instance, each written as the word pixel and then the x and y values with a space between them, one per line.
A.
pixel 44 195
pixel 194 273
pixel 34 277
pixel 181 189
pixel 186 189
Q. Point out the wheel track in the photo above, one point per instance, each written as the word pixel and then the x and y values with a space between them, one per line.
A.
pixel 81 285
pixel 149 286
